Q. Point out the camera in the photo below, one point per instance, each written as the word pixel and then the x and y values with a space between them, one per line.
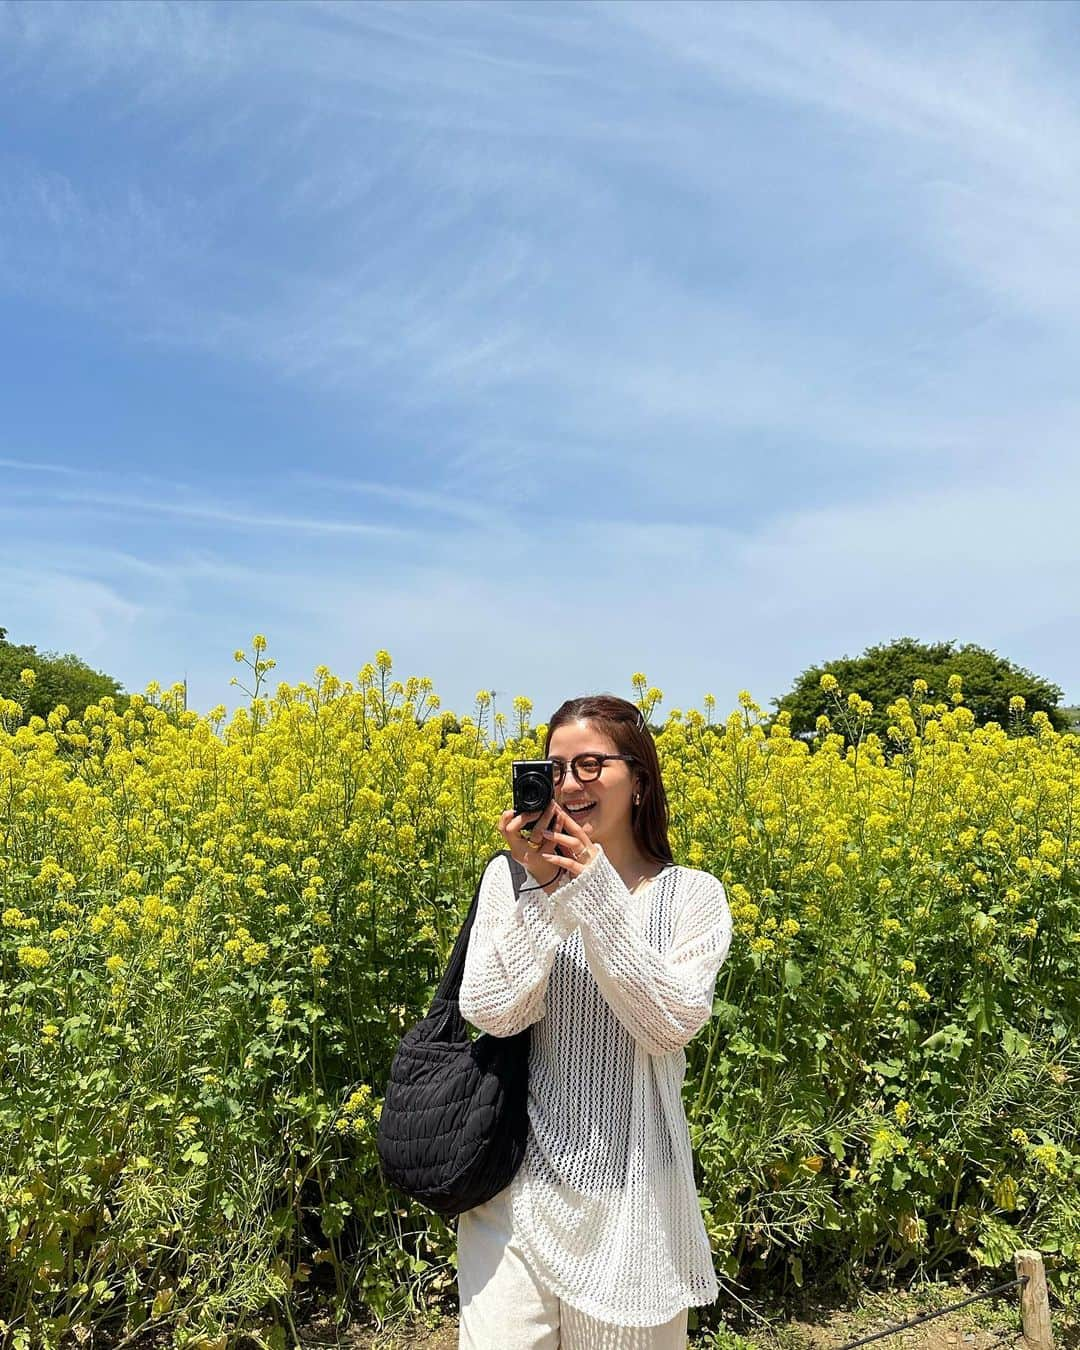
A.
pixel 534 785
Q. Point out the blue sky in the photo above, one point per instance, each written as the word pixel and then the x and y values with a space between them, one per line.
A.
pixel 539 343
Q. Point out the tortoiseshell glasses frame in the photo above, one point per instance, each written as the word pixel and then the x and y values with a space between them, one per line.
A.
pixel 587 768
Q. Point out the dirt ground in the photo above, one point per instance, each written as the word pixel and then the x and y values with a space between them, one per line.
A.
pixel 991 1322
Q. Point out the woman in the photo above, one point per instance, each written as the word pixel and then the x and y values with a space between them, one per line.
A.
pixel 610 955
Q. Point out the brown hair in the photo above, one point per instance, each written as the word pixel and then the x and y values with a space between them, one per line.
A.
pixel 626 726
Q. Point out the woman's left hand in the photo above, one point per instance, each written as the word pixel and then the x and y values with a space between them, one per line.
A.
pixel 573 839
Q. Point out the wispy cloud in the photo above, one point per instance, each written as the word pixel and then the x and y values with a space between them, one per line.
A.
pixel 458 307
pixel 129 507
pixel 92 616
pixel 33 466
pixel 985 121
pixel 433 503
pixel 607 324
pixel 243 519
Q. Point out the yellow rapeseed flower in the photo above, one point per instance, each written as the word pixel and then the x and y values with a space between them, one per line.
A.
pixel 1046 1156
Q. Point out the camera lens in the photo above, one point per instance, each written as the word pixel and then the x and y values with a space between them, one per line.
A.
pixel 534 791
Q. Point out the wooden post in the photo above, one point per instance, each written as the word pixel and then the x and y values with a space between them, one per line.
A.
pixel 1034 1301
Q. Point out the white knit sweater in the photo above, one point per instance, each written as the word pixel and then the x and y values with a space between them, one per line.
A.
pixel 614 985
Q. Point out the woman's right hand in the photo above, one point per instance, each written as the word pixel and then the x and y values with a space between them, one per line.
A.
pixel 510 827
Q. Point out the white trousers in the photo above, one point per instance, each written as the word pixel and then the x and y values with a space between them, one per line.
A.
pixel 503 1306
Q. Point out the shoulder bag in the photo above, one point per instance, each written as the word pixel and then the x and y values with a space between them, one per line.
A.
pixel 454 1122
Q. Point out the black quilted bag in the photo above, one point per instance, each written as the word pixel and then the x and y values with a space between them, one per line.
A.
pixel 454 1122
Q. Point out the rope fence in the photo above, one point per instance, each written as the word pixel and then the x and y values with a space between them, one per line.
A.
pixel 1034 1306
pixel 925 1317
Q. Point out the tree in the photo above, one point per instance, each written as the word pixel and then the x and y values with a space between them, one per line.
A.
pixel 57 679
pixel 889 670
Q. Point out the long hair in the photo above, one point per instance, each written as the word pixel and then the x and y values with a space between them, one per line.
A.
pixel 623 722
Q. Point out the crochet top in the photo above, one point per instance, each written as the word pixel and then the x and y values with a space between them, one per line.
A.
pixel 613 984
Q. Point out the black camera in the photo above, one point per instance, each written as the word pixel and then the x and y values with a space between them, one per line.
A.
pixel 534 785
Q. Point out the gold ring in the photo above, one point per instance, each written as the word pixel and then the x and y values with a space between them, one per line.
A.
pixel 581 852
pixel 535 847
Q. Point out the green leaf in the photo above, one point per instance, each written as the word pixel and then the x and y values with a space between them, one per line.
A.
pixel 1015 1042
pixel 900 1177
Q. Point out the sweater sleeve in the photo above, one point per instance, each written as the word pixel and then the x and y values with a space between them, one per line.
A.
pixel 510 953
pixel 662 998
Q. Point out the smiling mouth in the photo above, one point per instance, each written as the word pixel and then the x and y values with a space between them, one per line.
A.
pixel 586 808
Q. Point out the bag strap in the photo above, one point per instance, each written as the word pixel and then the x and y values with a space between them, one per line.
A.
pixel 450 984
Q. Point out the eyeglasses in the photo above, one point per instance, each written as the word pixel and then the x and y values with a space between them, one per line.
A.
pixel 586 767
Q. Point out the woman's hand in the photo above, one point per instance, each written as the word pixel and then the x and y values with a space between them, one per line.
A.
pixel 574 841
pixel 527 854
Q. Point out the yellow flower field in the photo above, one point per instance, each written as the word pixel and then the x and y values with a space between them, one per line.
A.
pixel 212 935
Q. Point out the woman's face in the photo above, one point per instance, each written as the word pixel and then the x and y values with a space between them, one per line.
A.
pixel 611 793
